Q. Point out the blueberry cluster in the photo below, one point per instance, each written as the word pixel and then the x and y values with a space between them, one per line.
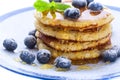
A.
pixel 43 57
pixel 112 54
pixel 74 13
pixel 30 42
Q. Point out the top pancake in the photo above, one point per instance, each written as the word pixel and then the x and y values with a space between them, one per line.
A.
pixel 85 21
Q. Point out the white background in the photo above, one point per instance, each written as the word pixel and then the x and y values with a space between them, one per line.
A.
pixel 10 5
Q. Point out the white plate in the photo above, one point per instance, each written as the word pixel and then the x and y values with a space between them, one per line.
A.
pixel 18 23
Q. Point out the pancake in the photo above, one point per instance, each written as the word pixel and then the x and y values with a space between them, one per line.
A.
pixel 80 40
pixel 72 45
pixel 59 33
pixel 87 54
pixel 85 21
pixel 38 24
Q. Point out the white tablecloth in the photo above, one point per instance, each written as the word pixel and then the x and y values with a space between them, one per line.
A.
pixel 10 5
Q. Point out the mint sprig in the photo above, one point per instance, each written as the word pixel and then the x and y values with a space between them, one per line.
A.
pixel 41 5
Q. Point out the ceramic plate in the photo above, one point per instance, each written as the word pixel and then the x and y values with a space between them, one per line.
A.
pixel 18 23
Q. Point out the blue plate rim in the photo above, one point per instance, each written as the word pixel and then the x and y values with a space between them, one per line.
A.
pixel 18 11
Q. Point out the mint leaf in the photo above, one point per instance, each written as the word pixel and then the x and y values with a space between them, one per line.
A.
pixel 52 6
pixel 41 5
pixel 61 6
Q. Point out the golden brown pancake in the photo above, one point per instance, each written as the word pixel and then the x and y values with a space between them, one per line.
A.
pixel 87 54
pixel 72 45
pixel 38 24
pixel 80 40
pixel 60 33
pixel 85 21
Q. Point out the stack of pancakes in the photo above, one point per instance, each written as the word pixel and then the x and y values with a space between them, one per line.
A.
pixel 80 40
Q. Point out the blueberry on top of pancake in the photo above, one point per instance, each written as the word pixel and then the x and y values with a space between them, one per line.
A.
pixel 72 13
pixel 79 3
pixel 95 6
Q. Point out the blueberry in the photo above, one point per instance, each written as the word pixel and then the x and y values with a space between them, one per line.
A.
pixel 32 32
pixel 10 44
pixel 55 0
pixel 43 56
pixel 27 57
pixel 95 6
pixel 117 48
pixel 72 13
pixel 109 55
pixel 89 1
pixel 79 3
pixel 30 41
pixel 62 62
